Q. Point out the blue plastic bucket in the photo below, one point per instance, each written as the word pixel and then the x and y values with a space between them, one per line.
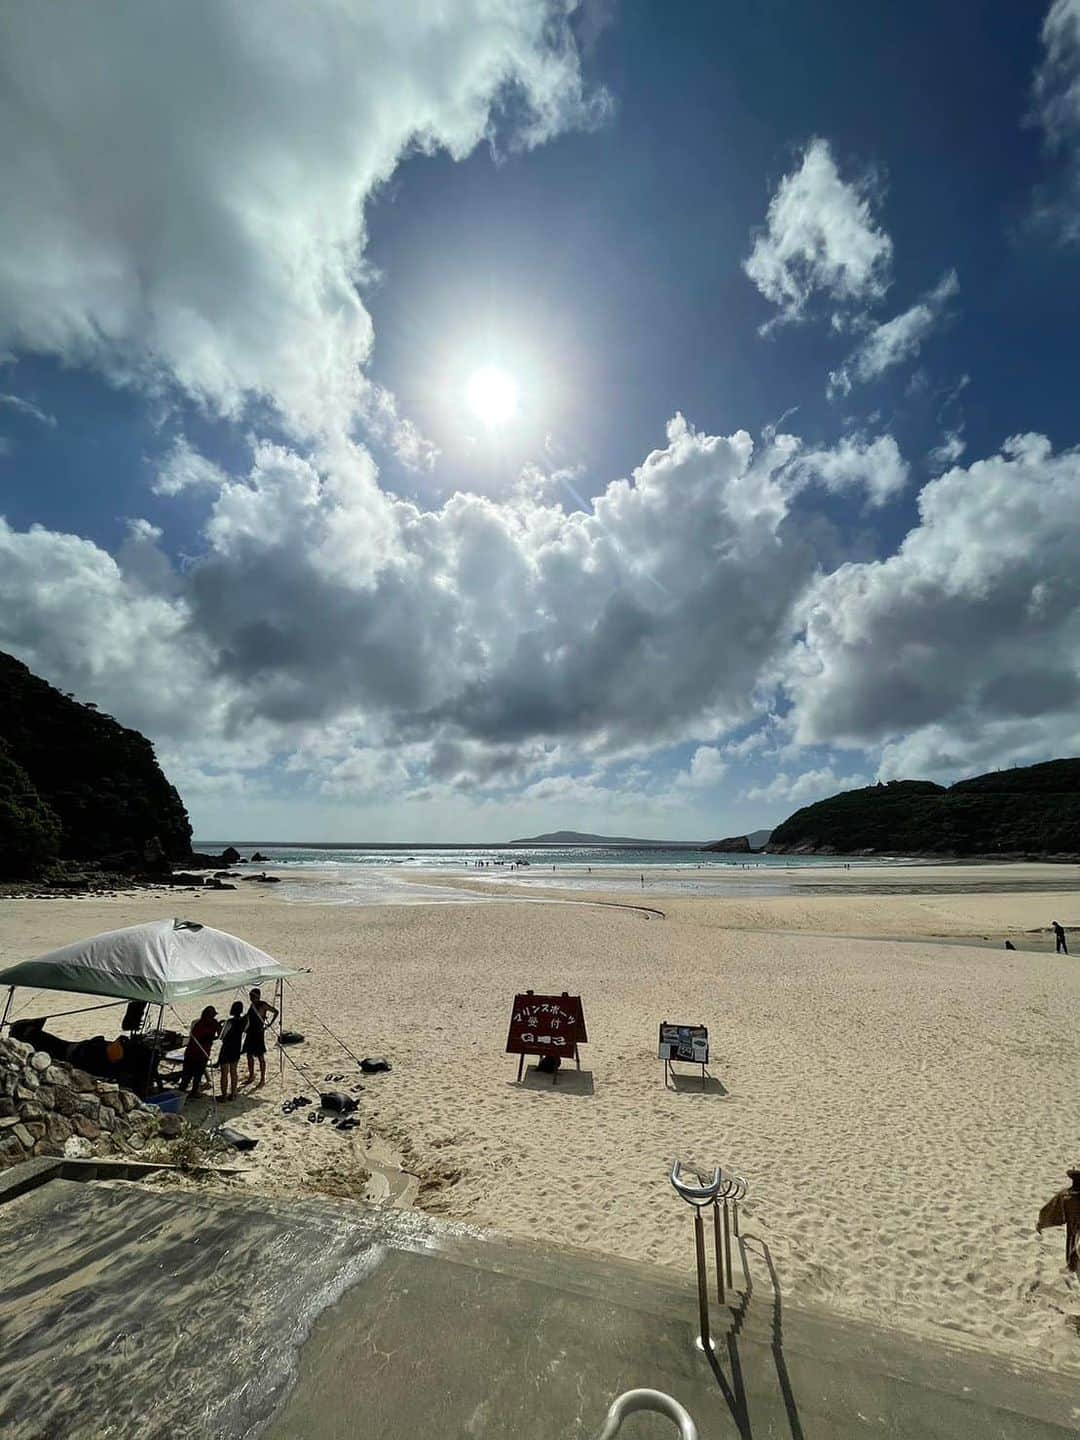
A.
pixel 169 1102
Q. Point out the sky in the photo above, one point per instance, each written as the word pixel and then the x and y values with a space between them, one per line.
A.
pixel 456 422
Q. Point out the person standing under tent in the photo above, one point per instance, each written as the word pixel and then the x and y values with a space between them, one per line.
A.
pixel 204 1032
pixel 260 1014
pixel 232 1040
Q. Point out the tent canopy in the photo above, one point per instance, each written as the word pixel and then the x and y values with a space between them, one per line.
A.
pixel 159 962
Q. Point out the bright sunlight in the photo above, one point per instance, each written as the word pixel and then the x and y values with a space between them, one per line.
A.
pixel 492 395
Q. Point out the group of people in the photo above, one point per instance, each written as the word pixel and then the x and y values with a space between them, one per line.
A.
pixel 241 1033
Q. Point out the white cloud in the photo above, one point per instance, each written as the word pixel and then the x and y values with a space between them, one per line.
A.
pixel 191 213
pixel 820 235
pixel 491 648
pixel 1056 95
pixel 945 454
pixel 797 790
pixel 24 407
pixel 486 634
pixel 877 466
pixel 184 468
pixel 707 768
pixel 962 648
pixel 896 340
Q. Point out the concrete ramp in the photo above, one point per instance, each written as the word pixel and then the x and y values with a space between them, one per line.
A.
pixel 135 1313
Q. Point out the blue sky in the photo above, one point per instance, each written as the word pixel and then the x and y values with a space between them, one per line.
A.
pixel 782 305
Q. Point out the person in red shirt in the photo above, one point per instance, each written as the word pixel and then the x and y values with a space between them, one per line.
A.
pixel 204 1032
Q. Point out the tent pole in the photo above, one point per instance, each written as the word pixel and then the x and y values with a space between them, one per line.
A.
pixel 280 997
pixel 7 1005
pixel 153 1049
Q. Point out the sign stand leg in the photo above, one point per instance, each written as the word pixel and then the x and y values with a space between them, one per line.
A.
pixel 521 1066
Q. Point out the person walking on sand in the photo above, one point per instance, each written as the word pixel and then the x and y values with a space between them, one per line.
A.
pixel 202 1035
pixel 1061 945
pixel 260 1014
pixel 232 1039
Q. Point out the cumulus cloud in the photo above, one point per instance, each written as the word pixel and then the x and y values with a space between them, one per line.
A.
pixel 794 791
pixel 875 466
pixel 495 647
pixel 707 768
pixel 191 213
pixel 184 468
pixel 820 235
pixel 474 639
pixel 896 340
pixel 962 648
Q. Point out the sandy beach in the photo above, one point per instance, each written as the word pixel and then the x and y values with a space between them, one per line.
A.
pixel 898 1089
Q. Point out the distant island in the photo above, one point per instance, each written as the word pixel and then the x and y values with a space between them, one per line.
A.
pixel 578 837
pixel 1031 812
pixel 742 843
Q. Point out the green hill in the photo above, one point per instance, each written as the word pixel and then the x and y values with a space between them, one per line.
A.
pixel 77 785
pixel 1033 810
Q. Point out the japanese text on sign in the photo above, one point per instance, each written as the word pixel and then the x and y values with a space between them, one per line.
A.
pixel 546 1025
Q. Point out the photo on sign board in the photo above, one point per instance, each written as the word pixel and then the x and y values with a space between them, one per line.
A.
pixel 689 1043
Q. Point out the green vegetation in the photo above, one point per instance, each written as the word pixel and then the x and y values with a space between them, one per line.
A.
pixel 1032 811
pixel 78 785
pixel 29 829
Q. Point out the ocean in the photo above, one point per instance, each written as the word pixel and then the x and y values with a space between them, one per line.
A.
pixel 379 874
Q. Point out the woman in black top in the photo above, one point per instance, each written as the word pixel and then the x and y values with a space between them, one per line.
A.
pixel 232 1039
pixel 259 1016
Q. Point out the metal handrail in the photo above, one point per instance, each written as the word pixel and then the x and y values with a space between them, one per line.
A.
pixel 696 1194
pixel 723 1193
pixel 634 1400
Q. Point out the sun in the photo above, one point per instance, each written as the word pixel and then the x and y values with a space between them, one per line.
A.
pixel 492 395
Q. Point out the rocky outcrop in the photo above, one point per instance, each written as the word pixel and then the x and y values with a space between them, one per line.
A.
pixel 200 861
pixel 733 845
pixel 50 1108
pixel 98 781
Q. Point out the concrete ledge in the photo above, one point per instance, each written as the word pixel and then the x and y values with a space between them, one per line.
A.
pixel 29 1174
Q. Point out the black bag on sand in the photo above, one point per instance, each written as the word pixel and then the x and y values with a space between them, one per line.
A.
pixel 290 1037
pixel 372 1067
pixel 335 1100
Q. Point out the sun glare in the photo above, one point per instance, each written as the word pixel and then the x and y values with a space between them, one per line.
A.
pixel 492 395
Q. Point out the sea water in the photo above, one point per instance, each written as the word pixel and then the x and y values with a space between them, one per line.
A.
pixel 380 874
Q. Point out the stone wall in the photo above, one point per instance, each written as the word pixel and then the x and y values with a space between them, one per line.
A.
pixel 49 1108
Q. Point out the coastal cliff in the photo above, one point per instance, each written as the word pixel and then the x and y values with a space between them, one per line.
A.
pixel 1031 811
pixel 76 785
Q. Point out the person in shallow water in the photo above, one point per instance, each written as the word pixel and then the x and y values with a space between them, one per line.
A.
pixel 260 1014
pixel 232 1039
pixel 1060 944
pixel 203 1033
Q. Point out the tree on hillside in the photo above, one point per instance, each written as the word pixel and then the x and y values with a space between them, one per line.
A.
pixel 29 829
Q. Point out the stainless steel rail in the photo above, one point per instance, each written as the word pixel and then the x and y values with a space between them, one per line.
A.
pixel 723 1192
pixel 655 1400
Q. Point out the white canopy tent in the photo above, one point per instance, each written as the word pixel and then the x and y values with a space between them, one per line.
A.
pixel 160 962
